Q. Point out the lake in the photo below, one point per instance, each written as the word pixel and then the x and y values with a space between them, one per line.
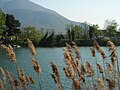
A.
pixel 44 56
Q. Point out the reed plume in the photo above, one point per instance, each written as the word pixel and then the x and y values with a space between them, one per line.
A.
pixel 100 68
pixel 93 51
pixel 113 51
pixel 54 69
pixel 22 78
pixel 3 74
pixel 111 83
pixel 76 50
pixel 1 85
pixel 76 84
pixel 10 80
pixel 82 77
pixel 96 45
pixel 98 48
pixel 108 68
pixel 16 83
pixel 83 69
pixel 114 59
pixel 27 79
pixel 101 84
pixel 56 76
pixel 32 80
pixel 66 72
pixel 31 47
pixel 89 69
pixel 104 56
pixel 36 66
pixel 10 52
pixel 67 58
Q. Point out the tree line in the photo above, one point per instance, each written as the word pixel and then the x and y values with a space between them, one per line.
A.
pixel 12 32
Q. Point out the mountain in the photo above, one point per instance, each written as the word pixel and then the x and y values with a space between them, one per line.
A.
pixel 29 13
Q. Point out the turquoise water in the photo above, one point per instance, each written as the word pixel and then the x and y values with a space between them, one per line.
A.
pixel 44 56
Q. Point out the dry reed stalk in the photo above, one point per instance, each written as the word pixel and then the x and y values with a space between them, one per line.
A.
pixel 10 53
pixel 32 80
pixel 56 75
pixel 10 80
pixel 76 51
pixel 16 83
pixel 66 72
pixel 100 68
pixel 22 78
pixel 111 83
pixel 27 79
pixel 95 87
pixel 96 45
pixel 70 62
pixel 76 84
pixel 83 69
pixel 98 48
pixel 88 87
pixel 108 69
pixel 3 74
pixel 2 46
pixel 89 69
pixel 31 47
pixel 93 51
pixel 77 62
pixel 113 51
pixel 94 55
pixel 54 69
pixel 54 78
pixel 101 71
pixel 67 58
pixel 101 84
pixel 104 56
pixel 82 77
pixel 36 66
pixel 114 58
pixel 1 85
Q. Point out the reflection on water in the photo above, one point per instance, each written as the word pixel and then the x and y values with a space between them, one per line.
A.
pixel 44 56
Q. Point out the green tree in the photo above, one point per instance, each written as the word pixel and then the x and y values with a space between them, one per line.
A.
pixel 78 32
pixel 31 33
pixel 74 32
pixel 95 32
pixel 111 28
pixel 85 31
pixel 2 22
pixel 12 26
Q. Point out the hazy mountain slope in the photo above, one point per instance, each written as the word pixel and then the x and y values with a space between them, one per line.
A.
pixel 30 13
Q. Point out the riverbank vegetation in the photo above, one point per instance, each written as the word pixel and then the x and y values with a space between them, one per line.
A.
pixel 11 32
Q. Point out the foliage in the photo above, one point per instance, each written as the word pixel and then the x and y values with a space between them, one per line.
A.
pixel 74 32
pixel 2 21
pixel 111 28
pixel 12 26
pixel 29 32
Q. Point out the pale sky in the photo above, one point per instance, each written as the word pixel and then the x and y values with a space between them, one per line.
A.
pixel 92 11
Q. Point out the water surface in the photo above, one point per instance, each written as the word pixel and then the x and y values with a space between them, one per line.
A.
pixel 44 56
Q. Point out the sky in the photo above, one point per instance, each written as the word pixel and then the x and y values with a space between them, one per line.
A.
pixel 92 11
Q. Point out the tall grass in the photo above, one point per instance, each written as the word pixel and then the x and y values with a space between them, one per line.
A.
pixel 83 76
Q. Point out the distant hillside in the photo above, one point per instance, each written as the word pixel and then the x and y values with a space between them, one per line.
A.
pixel 33 14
